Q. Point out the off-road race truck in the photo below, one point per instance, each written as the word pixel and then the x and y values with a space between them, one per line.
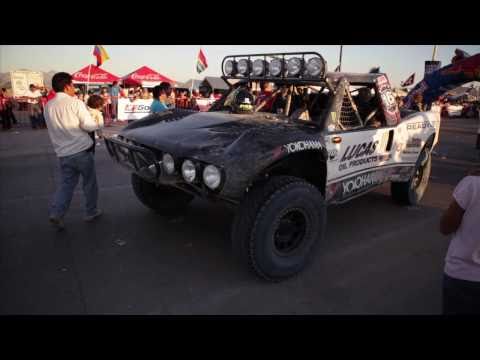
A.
pixel 334 136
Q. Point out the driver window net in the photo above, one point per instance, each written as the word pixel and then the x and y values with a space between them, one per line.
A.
pixel 348 113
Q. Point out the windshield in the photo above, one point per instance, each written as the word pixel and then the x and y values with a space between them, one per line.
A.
pixel 297 102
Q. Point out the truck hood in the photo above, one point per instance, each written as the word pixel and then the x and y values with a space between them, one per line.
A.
pixel 211 134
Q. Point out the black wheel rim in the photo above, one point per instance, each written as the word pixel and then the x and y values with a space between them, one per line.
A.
pixel 417 180
pixel 418 177
pixel 290 232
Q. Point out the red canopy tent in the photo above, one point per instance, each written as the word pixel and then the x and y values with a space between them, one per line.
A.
pixel 92 74
pixel 145 77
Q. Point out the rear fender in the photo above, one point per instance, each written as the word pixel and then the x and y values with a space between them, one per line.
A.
pixel 419 129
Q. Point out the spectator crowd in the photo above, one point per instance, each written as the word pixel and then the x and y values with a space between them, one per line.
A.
pixel 34 101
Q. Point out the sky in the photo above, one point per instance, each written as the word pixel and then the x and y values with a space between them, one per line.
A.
pixel 178 62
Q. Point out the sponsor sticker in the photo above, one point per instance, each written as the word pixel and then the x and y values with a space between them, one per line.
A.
pixel 333 155
pixel 361 182
pixel 361 154
pixel 302 146
pixel 419 125
pixel 414 143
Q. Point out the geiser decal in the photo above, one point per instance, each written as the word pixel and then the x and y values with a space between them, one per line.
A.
pixel 422 125
pixel 303 145
pixel 362 182
pixel 359 154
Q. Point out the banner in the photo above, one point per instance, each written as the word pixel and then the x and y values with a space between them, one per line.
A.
pixel 21 80
pixel 133 110
pixel 445 79
pixel 204 103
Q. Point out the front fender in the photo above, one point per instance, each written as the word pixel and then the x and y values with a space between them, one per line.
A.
pixel 243 168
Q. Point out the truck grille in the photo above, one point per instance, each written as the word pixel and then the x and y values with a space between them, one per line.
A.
pixel 136 158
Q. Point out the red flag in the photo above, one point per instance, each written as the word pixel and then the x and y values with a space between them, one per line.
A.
pixel 409 81
pixel 201 62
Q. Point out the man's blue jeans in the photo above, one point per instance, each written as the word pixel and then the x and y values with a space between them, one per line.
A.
pixel 71 167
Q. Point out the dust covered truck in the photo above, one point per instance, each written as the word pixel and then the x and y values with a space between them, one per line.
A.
pixel 317 138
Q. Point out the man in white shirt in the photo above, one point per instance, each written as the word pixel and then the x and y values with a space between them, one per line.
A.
pixel 461 284
pixel 68 123
pixel 34 108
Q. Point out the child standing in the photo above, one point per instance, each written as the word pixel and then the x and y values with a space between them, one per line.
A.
pixel 95 106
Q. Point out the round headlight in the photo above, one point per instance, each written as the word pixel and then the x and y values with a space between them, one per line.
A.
pixel 188 171
pixel 276 67
pixel 315 66
pixel 294 66
pixel 230 67
pixel 212 177
pixel 243 66
pixel 259 67
pixel 168 163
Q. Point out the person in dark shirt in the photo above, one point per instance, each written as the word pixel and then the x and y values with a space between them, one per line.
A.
pixel 418 103
pixel 280 101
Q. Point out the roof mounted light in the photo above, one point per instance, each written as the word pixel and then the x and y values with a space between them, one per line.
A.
pixel 231 67
pixel 259 67
pixel 244 67
pixel 276 67
pixel 295 66
pixel 316 67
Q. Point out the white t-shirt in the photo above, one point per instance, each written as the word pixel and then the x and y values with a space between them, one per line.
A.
pixel 463 256
pixel 33 94
pixel 68 122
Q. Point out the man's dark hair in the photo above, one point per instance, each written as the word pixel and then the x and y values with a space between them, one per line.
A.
pixel 165 85
pixel 60 81
pixel 157 90
pixel 32 85
pixel 95 101
pixel 3 89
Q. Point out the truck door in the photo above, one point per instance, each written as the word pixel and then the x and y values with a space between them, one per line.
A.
pixel 359 156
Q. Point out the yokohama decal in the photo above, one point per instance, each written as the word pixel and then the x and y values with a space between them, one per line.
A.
pixel 362 182
pixel 302 146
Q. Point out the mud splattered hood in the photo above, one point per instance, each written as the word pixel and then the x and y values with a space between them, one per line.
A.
pixel 216 135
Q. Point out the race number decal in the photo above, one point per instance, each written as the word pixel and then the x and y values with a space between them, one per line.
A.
pixel 389 100
pixel 389 105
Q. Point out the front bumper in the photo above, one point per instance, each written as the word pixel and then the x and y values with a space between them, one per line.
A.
pixel 147 164
pixel 135 158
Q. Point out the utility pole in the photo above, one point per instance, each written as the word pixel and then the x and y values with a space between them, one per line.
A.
pixel 434 52
pixel 340 61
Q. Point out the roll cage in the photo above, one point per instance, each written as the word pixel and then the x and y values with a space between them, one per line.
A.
pixel 339 112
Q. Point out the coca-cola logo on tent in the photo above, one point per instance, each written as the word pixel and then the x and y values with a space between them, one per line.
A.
pixel 145 77
pixel 92 76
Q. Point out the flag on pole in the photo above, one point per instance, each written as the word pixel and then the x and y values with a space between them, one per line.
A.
pixel 409 81
pixel 100 53
pixel 201 62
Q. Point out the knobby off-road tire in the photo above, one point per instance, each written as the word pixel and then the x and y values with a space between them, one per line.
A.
pixel 164 200
pixel 411 192
pixel 277 226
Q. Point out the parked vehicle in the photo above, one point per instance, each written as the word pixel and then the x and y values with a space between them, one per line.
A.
pixel 337 136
